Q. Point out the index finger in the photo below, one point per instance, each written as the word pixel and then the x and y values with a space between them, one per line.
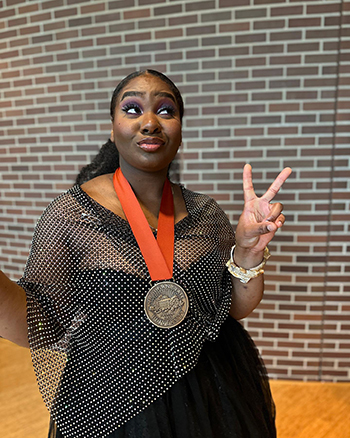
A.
pixel 248 188
pixel 274 188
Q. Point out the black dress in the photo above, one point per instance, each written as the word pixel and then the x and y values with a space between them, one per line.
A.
pixel 103 369
pixel 226 395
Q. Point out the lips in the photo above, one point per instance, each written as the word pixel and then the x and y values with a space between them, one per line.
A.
pixel 150 144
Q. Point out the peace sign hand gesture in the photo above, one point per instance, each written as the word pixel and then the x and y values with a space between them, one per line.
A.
pixel 259 220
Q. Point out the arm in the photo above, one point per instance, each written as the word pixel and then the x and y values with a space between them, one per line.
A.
pixel 255 229
pixel 13 312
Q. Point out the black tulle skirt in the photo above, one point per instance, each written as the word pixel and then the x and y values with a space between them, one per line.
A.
pixel 226 395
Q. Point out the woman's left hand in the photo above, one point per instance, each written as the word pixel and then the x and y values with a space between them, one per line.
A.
pixel 259 220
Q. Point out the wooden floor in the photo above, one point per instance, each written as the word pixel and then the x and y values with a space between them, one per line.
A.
pixel 304 410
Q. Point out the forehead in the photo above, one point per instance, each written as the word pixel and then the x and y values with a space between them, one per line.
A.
pixel 147 84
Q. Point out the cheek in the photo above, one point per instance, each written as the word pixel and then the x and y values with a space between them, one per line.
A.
pixel 175 132
pixel 123 130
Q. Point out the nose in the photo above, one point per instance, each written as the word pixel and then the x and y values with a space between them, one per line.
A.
pixel 150 124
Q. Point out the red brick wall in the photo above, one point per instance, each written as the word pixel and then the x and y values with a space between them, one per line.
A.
pixel 264 81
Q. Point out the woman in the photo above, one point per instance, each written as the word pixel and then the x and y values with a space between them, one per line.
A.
pixel 129 295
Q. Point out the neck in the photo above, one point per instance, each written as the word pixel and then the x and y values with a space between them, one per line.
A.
pixel 147 186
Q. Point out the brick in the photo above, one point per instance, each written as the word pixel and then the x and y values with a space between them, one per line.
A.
pixel 324 33
pixel 200 6
pixel 234 51
pixel 40 17
pixel 284 107
pixel 52 4
pixel 184 43
pixel 228 3
pixel 267 72
pixel 324 82
pixel 185 66
pixel 288 10
pixel 89 9
pixel 234 27
pixel 84 21
pixel 216 16
pixel 242 62
pixel 71 34
pixel 66 12
pixel 27 9
pixel 54 25
pixel 120 4
pixel 251 85
pixel 269 24
pixel 324 9
pixel 284 83
pixel 332 21
pixel 233 74
pixel 250 108
pixel 304 47
pixel 216 41
pixel 266 120
pixel 268 49
pixel 17 22
pixel 173 33
pixel 219 64
pixel 29 30
pixel 305 22
pixel 320 59
pixel 290 59
pixel 200 30
pixel 114 16
pixel 136 14
pixel 250 38
pixel 193 54
pixel 167 10
pixel 263 2
pixel 150 2
pixel 19 42
pixel 251 13
pixel 286 36
pixel 138 37
pixel 300 118
pixel 302 71
pixel 149 24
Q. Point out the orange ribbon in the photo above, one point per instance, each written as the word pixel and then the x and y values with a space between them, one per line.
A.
pixel 157 253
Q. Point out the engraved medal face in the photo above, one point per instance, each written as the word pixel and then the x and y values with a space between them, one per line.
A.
pixel 166 304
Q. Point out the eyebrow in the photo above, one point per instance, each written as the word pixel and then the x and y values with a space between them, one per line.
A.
pixel 142 93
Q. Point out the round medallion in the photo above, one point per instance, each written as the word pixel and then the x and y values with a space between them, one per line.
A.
pixel 166 304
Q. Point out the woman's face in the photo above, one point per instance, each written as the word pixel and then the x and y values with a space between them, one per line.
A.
pixel 146 127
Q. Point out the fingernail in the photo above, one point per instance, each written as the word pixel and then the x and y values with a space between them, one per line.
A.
pixel 270 227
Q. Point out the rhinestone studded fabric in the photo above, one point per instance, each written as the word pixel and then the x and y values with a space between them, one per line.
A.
pixel 99 361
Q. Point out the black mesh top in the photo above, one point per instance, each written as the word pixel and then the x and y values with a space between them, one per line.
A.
pixel 99 361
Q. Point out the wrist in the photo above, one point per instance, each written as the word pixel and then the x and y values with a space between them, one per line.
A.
pixel 246 274
pixel 247 258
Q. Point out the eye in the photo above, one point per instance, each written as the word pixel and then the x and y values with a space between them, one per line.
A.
pixel 132 109
pixel 166 110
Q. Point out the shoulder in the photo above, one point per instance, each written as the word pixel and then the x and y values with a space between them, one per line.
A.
pixel 202 201
pixel 208 213
pixel 63 208
pixel 204 206
pixel 70 205
pixel 99 185
pixel 101 190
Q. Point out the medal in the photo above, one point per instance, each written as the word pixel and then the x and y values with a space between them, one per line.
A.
pixel 166 303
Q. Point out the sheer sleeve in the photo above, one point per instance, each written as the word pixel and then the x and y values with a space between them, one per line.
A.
pixel 53 311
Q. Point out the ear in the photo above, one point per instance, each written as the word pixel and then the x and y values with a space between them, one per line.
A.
pixel 112 135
